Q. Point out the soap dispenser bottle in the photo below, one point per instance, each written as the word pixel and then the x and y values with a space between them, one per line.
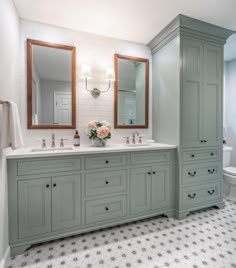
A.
pixel 77 139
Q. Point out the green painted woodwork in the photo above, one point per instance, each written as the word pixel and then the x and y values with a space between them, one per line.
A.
pixel 202 193
pixel 105 182
pixel 66 202
pixel 187 101
pixel 105 209
pixel 105 161
pixel 56 164
pixel 34 201
pixel 202 155
pixel 196 173
pixel 150 188
pixel 62 202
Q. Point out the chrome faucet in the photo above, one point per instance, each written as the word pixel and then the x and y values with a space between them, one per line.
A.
pixel 53 140
pixel 133 136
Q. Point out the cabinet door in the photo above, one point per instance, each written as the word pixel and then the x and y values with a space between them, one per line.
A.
pixel 34 201
pixel 66 202
pixel 160 187
pixel 140 189
pixel 192 93
pixel 212 93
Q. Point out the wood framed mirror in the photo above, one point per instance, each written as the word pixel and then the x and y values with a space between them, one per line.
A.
pixel 131 92
pixel 51 85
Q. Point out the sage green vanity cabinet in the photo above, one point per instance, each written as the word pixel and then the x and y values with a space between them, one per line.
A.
pixel 48 204
pixel 187 107
pixel 202 94
pixel 76 194
pixel 150 188
pixel 34 207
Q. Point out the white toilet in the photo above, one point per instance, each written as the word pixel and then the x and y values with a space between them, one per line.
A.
pixel 229 173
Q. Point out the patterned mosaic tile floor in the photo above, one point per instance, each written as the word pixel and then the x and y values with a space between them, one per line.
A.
pixel 204 239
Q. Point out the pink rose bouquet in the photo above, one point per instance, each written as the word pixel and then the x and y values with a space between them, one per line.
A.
pixel 99 131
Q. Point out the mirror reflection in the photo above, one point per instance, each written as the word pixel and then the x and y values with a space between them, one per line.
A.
pixel 131 92
pixel 51 85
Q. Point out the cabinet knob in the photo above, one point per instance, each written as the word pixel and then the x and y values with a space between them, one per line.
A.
pixel 149 173
pixel 54 185
pixel 106 182
pixel 192 195
pixel 212 154
pixel 154 172
pixel 106 208
pixel 205 141
pixel 107 161
pixel 201 141
pixel 192 155
pixel 47 185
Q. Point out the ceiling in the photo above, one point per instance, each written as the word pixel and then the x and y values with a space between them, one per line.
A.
pixel 132 20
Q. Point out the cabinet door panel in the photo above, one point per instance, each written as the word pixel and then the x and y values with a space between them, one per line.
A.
pixel 192 93
pixel 212 120
pixel 140 190
pixel 34 201
pixel 66 202
pixel 160 187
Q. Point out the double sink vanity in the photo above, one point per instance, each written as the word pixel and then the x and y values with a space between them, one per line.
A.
pixel 59 193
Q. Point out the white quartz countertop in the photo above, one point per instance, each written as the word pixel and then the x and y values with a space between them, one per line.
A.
pixel 86 149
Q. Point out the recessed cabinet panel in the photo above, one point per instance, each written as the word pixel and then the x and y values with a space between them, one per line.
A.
pixel 66 202
pixel 140 190
pixel 34 207
pixel 192 114
pixel 212 95
pixel 150 157
pixel 160 187
pixel 105 182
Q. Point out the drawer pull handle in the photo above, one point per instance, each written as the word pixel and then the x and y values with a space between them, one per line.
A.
pixel 106 208
pixel 211 171
pixel 149 173
pixel 192 196
pixel 107 162
pixel 212 154
pixel 192 155
pixel 47 185
pixel 192 174
pixel 106 182
pixel 54 185
pixel 211 192
pixel 154 172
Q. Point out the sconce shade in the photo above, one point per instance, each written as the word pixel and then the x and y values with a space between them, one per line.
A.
pixel 110 75
pixel 86 71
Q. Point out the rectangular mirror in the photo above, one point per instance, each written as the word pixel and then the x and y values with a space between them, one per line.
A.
pixel 131 92
pixel 51 85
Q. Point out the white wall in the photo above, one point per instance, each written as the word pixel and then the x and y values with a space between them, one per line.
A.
pixel 92 49
pixel 9 90
pixel 230 107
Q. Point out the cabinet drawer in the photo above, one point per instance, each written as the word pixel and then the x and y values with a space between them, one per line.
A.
pixel 201 172
pixel 212 154
pixel 194 195
pixel 150 157
pixel 105 161
pixel 48 166
pixel 106 209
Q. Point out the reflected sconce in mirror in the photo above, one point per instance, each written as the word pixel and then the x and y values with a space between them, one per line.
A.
pixel 86 74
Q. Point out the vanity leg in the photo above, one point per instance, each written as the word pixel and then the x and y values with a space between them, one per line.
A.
pixel 170 214
pixel 18 250
pixel 182 215
pixel 220 205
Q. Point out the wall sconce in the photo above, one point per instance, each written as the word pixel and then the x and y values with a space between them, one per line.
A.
pixel 86 74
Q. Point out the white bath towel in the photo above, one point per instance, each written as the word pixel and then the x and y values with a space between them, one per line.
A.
pixel 35 119
pixel 11 132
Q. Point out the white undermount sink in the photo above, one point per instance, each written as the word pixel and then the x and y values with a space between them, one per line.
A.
pixel 136 144
pixel 68 148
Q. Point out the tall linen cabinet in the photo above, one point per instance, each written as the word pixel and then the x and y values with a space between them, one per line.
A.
pixel 187 107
